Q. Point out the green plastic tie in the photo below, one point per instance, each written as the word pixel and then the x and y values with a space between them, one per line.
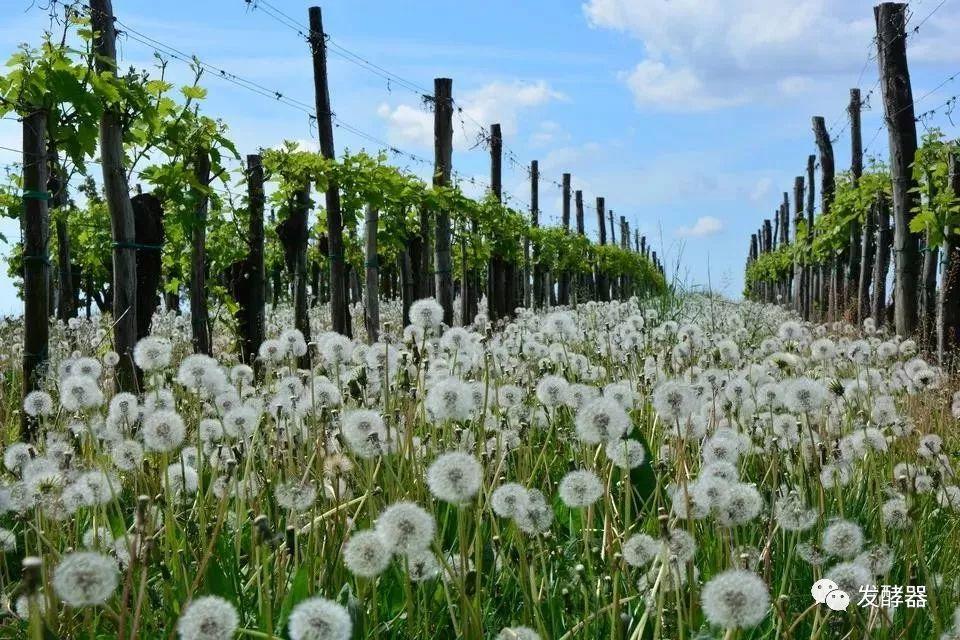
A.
pixel 137 245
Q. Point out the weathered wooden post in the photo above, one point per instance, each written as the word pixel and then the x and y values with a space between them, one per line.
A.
pixel 855 243
pixel 531 269
pixel 882 261
pixel 948 299
pixel 372 317
pixel 563 287
pixel 827 189
pixel 252 316
pixel 901 129
pixel 36 263
pixel 199 316
pixel 583 280
pixel 339 308
pixel 798 283
pixel 117 191
pixel 603 289
pixel 811 275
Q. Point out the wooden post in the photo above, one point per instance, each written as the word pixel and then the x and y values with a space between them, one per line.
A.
pixel 253 317
pixel 148 223
pixel 827 188
pixel 583 279
pixel 563 286
pixel 603 290
pixel 57 186
pixel 372 318
pixel 855 244
pixel 798 284
pixel 901 128
pixel 882 261
pixel 529 260
pixel 442 154
pixel 199 316
pixel 495 266
pixel 36 263
pixel 948 300
pixel 117 192
pixel 927 299
pixel 613 235
pixel 867 256
pixel 810 277
pixel 339 309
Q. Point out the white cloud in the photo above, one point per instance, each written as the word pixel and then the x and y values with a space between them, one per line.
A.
pixel 655 85
pixel 708 54
pixel 704 226
pixel 502 102
pixel 762 189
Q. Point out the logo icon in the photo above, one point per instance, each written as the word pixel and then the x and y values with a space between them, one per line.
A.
pixel 821 588
pixel 826 591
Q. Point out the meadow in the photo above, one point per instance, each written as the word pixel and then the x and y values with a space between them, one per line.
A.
pixel 615 470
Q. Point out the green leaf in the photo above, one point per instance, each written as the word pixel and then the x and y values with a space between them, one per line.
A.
pixel 194 92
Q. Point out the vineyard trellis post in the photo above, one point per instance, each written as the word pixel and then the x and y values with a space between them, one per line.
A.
pixel 927 302
pixel 563 287
pixel 57 186
pixel 812 275
pixel 827 190
pixel 372 317
pixel 495 267
pixel 901 129
pixel 443 153
pixel 252 316
pixel 583 284
pixel 602 292
pixel 855 248
pixel 35 226
pixel 530 268
pixel 798 274
pixel 867 258
pixel 199 317
pixel 339 308
pixel 948 300
pixel 882 261
pixel 117 192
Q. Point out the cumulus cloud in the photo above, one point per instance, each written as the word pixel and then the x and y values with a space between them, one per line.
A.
pixel 708 54
pixel 705 226
pixel 654 84
pixel 502 102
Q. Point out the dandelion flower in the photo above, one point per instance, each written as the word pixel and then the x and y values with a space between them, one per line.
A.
pixel 843 539
pixel 38 403
pixel 507 498
pixel 152 353
pixel 163 431
pixel 640 550
pixel 85 578
pixel 426 313
pixel 735 599
pixel 366 554
pixel 406 527
pixel 319 619
pixel 208 618
pixel 626 454
pixel 602 420
pixel 580 488
pixel 454 477
pixel 518 633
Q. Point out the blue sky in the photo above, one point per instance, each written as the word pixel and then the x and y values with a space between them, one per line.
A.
pixel 690 117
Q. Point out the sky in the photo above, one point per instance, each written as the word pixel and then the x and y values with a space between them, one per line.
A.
pixel 690 117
